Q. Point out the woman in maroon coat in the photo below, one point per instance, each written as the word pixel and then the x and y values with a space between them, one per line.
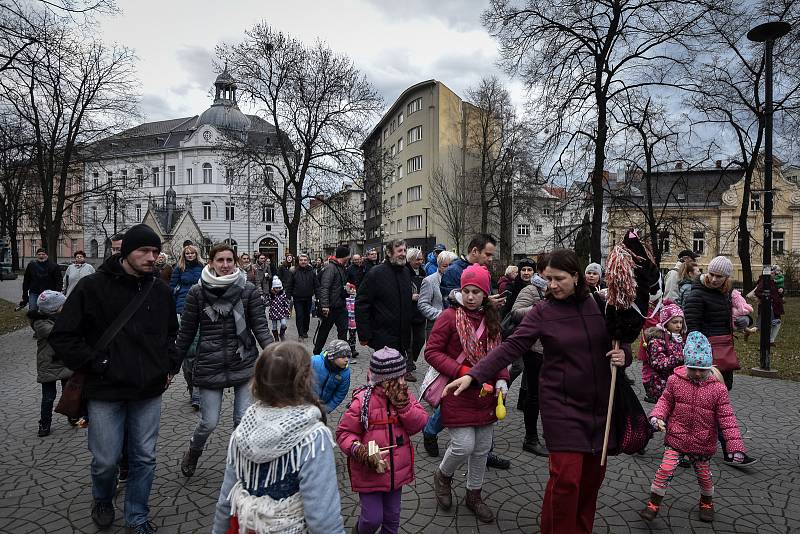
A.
pixel 574 385
pixel 461 337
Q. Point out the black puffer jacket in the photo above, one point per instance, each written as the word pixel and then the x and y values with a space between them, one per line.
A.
pixel 416 284
pixel 331 292
pixel 384 307
pixel 142 353
pixel 302 284
pixel 217 365
pixel 707 310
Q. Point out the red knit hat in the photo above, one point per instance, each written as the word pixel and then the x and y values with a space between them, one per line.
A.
pixel 478 276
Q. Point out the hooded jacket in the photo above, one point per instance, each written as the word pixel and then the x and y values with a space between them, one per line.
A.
pixel 141 355
pixel 388 426
pixel 664 354
pixel 47 368
pixel 182 281
pixel 331 292
pixel 331 383
pixel 384 307
pixel 693 411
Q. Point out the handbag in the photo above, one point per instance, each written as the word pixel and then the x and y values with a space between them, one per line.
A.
pixel 725 358
pixel 631 425
pixel 72 398
pixel 434 382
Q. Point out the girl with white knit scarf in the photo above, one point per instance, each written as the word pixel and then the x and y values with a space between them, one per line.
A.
pixel 280 475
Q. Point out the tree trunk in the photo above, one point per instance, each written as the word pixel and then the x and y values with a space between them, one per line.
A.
pixel 744 235
pixel 597 191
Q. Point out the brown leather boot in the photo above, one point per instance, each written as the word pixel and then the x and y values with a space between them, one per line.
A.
pixel 474 502
pixel 651 510
pixel 706 509
pixel 443 490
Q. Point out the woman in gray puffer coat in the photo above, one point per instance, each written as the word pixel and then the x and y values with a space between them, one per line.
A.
pixel 229 313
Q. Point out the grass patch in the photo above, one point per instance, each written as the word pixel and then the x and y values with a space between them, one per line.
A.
pixel 11 320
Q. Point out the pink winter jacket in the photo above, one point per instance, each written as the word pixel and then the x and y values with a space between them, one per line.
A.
pixel 692 412
pixel 739 305
pixel 387 426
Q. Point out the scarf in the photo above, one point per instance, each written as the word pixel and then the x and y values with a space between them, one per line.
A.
pixel 474 348
pixel 228 302
pixel 275 440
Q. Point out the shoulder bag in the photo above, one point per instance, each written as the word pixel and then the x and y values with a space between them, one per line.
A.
pixel 72 399
pixel 434 382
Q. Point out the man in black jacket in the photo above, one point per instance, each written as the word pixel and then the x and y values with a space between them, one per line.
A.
pixel 384 304
pixel 40 274
pixel 356 270
pixel 125 381
pixel 331 297
pixel 301 288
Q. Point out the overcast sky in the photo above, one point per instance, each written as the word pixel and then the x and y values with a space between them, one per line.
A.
pixel 396 44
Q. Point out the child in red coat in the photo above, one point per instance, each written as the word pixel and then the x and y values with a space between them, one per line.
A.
pixel 693 406
pixel 386 412
pixel 664 348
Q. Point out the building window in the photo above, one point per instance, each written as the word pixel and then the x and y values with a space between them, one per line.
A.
pixel 94 214
pixel 414 193
pixel 139 177
pixel 73 246
pixel 268 213
pixel 778 243
pixel 138 212
pixel 399 226
pixel 189 176
pixel 538 228
pixel 109 177
pixel 95 180
pixel 414 106
pixel 391 203
pixel 156 176
pixel 206 211
pixel 230 213
pixel 699 242
pixel 523 230
pixel 393 150
pixel 269 178
pixel 124 177
pixel 399 199
pixel 400 118
pixel 171 171
pixel 414 222
pixel 400 172
pixel 546 212
pixel 207 173
pixel 33 247
pixel 414 164
pixel 391 227
pixel 755 201
pixel 414 134
pixel 400 144
pixel 666 247
pixel 94 248
pixel 228 176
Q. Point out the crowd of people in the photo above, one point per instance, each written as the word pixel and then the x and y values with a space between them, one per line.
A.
pixel 130 327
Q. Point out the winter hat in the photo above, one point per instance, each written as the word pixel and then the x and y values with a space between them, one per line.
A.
pixel 721 266
pixel 526 262
pixel 138 236
pixel 386 364
pixel 50 301
pixel 440 247
pixel 669 312
pixel 697 352
pixel 336 349
pixel 276 283
pixel 478 276
pixel 342 251
pixel 593 268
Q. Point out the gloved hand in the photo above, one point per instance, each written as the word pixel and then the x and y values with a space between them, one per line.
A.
pixel 501 386
pixel 360 453
pixel 397 393
pixel 658 424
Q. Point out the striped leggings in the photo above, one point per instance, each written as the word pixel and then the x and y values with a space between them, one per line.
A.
pixel 702 468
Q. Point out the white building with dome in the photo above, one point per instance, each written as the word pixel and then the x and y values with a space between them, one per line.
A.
pixel 184 160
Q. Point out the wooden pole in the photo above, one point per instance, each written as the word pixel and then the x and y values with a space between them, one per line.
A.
pixel 610 408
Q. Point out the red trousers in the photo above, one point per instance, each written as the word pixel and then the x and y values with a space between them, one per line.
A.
pixel 571 495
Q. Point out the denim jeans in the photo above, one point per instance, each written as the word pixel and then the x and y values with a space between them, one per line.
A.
pixel 210 407
pixel 48 399
pixel 434 425
pixel 32 304
pixel 195 396
pixel 106 435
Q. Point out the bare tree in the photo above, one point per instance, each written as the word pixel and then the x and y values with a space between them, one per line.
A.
pixel 451 201
pixel 321 107
pixel 70 89
pixel 578 57
pixel 15 176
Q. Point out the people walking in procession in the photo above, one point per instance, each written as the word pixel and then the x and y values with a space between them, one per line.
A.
pixel 594 277
pixel 430 296
pixel 664 348
pixel 185 275
pixel 280 473
pixel 162 268
pixel 431 265
pixel 49 370
pixel 574 386
pixel 286 269
pixel 280 306
pixel 673 278
pixel 462 336
pixel 332 374
pixel 77 270
pixel 228 312
pixel 247 267
pixel 356 270
pixel 481 250
pixel 386 413
pixel 41 274
pixel 331 297
pixel 414 259
pixel 119 327
pixel 693 406
pixel 301 289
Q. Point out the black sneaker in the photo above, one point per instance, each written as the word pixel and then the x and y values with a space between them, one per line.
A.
pixel 684 462
pixel 103 514
pixel 496 462
pixel 747 462
pixel 44 430
pixel 431 443
pixel 145 528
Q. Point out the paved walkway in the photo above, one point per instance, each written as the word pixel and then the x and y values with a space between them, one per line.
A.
pixel 44 486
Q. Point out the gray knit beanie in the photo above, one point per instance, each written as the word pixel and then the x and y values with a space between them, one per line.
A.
pixel 721 266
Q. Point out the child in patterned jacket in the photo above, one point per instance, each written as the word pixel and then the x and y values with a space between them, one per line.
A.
pixel 279 309
pixel 664 348
pixel 350 303
pixel 693 406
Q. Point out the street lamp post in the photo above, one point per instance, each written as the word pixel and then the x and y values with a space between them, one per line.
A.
pixel 767 33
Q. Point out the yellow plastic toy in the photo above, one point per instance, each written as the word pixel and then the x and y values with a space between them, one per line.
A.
pixel 500 411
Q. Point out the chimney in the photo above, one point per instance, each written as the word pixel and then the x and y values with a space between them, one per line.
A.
pixel 718 164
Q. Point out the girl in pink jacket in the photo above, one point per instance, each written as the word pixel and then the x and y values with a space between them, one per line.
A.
pixel 692 407
pixel 664 348
pixel 386 412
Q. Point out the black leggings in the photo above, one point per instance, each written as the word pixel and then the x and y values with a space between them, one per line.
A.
pixel 532 363
pixel 727 376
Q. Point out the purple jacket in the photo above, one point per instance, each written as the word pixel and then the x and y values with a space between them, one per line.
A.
pixel 576 375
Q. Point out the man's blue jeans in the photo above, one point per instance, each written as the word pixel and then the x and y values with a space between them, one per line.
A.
pixel 434 425
pixel 33 303
pixel 106 434
pixel 211 405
